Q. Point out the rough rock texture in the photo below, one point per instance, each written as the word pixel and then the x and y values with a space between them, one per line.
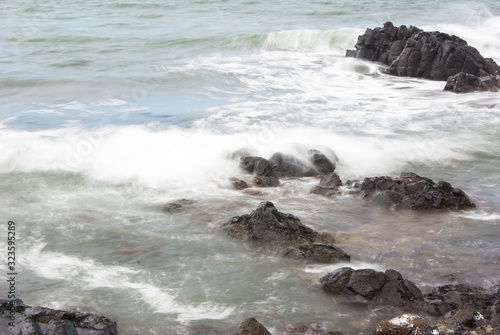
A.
pixel 413 192
pixel 42 320
pixel 464 83
pixel 388 288
pixel 461 309
pixel 430 55
pixel 269 171
pixel 252 327
pixel 328 185
pixel 285 234
pixel 404 324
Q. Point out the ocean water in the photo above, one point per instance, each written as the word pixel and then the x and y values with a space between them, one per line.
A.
pixel 110 109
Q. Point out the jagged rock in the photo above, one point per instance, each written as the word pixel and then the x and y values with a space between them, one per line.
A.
pixel 41 320
pixel 413 192
pixel 430 55
pixel 404 324
pixel 284 233
pixel 252 327
pixel 464 83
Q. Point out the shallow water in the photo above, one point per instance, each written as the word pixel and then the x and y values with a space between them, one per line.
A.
pixel 110 110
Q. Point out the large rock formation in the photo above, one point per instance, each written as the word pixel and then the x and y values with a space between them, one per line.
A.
pixel 412 191
pixel 42 320
pixel 412 52
pixel 284 233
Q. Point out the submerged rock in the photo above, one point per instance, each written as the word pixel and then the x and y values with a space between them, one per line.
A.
pixel 435 55
pixel 285 234
pixel 413 192
pixel 178 205
pixel 42 320
pixel 269 171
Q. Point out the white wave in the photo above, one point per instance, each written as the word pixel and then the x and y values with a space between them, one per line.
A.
pixel 89 275
pixel 311 40
pixel 480 215
pixel 201 160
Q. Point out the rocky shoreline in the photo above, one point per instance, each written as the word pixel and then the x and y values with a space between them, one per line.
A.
pixel 452 309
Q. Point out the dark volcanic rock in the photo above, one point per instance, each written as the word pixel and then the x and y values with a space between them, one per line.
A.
pixel 284 233
pixel 388 288
pixel 252 327
pixel 42 320
pixel 413 192
pixel 269 171
pixel 412 52
pixel 464 83
pixel 460 307
pixel 322 164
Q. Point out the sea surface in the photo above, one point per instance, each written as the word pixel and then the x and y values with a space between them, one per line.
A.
pixel 111 109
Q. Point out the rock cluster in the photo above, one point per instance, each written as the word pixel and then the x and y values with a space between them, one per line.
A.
pixel 413 192
pixel 285 234
pixel 42 320
pixel 411 52
pixel 269 171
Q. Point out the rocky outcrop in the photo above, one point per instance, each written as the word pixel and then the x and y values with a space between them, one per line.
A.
pixel 42 320
pixel 412 191
pixel 411 52
pixel 460 308
pixel 285 234
pixel 268 172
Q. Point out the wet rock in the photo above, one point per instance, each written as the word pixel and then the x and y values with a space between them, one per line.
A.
pixel 413 192
pixel 412 52
pixel 284 233
pixel 388 288
pixel 328 185
pixel 177 205
pixel 464 83
pixel 41 320
pixel 318 252
pixel 252 327
pixel 321 163
pixel 404 324
pixel 288 166
pixel 266 181
pixel 239 184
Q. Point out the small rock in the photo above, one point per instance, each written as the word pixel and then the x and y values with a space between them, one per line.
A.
pixel 252 327
pixel 404 324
